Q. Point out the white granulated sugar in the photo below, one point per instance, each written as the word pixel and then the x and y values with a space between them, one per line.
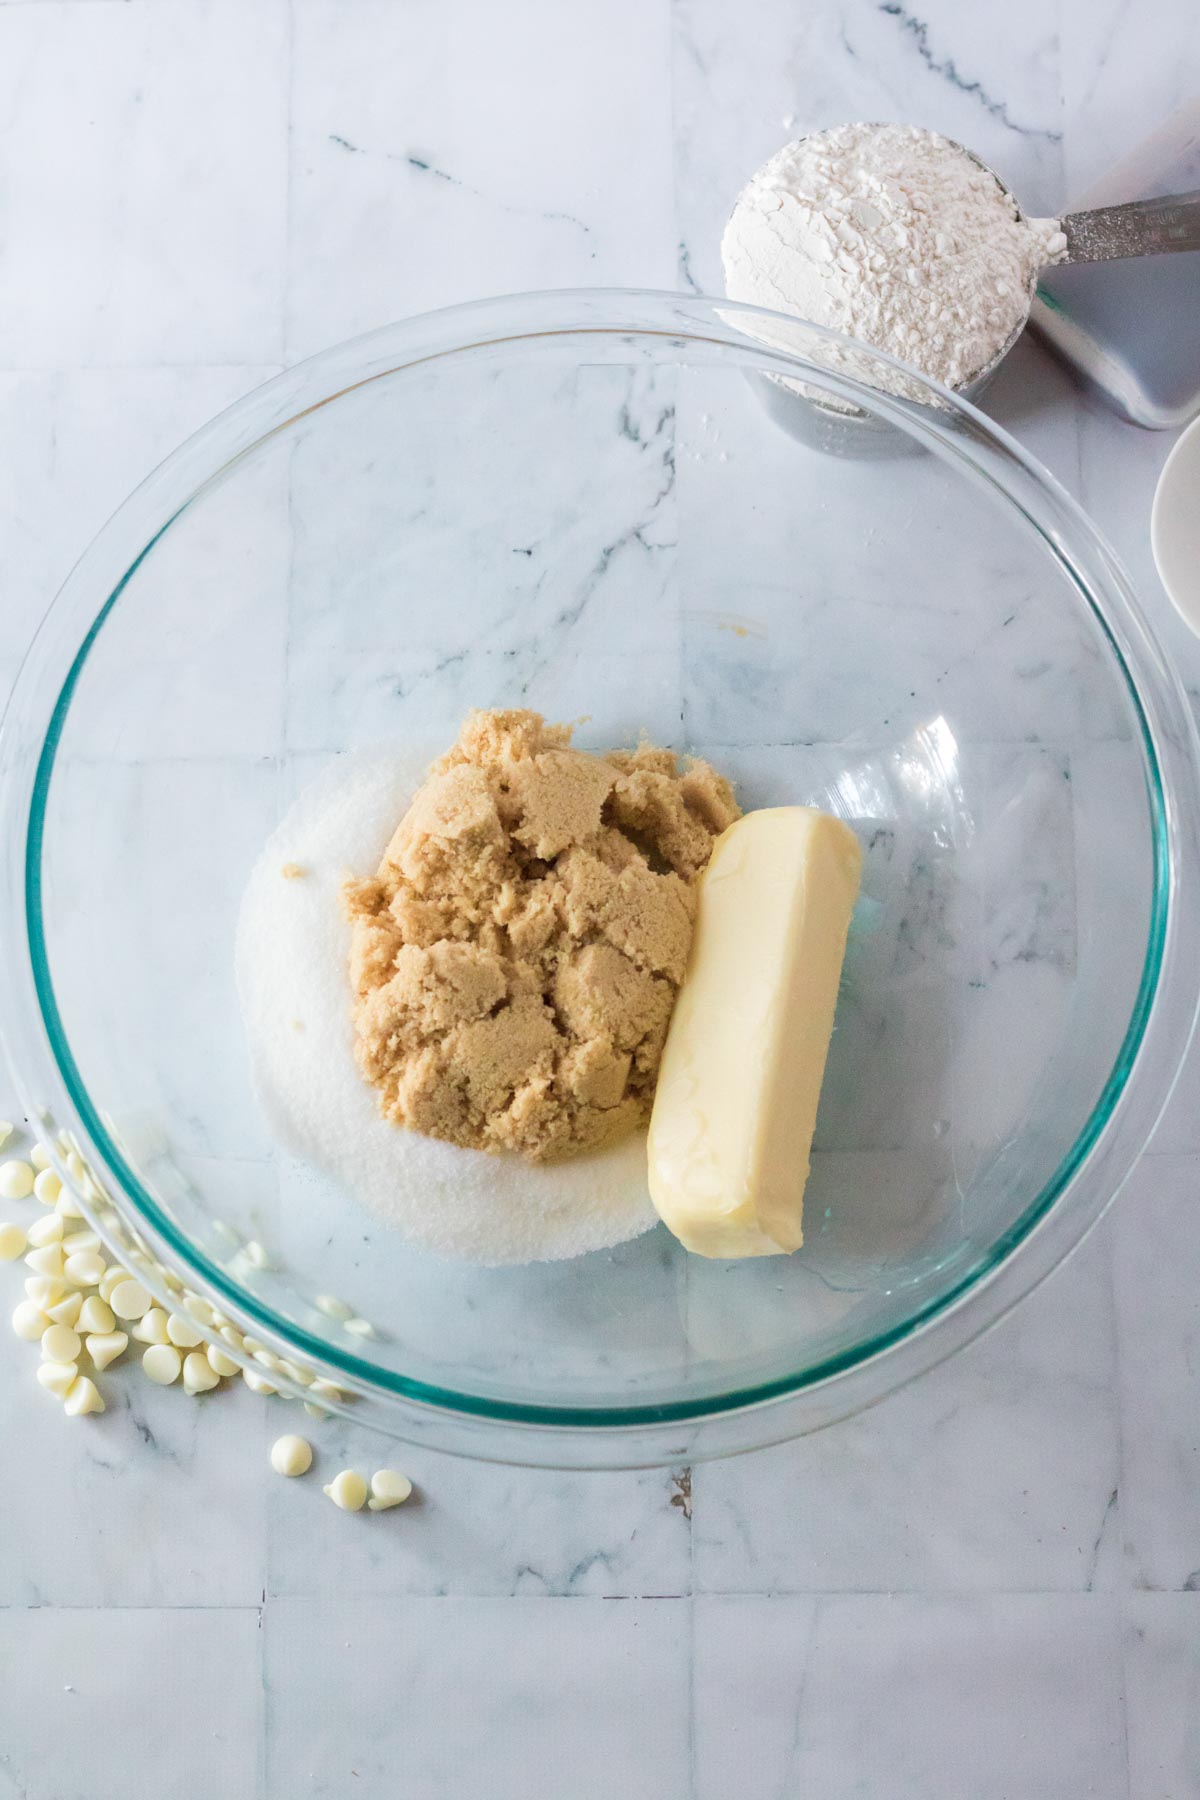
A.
pixel 292 947
pixel 892 235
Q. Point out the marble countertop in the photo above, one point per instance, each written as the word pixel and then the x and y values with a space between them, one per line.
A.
pixel 990 1585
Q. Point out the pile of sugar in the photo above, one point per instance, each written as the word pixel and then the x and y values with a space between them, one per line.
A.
pixel 293 984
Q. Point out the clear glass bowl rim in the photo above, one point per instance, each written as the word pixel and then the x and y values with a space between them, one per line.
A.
pixel 1164 1012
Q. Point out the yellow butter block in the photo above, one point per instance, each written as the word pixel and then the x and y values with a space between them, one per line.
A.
pixel 741 1073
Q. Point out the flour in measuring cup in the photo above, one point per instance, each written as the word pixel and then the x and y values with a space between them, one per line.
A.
pixel 892 235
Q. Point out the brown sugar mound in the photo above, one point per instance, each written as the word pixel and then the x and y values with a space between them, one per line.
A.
pixel 516 957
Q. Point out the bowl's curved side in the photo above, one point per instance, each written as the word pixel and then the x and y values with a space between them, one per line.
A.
pixel 1156 1039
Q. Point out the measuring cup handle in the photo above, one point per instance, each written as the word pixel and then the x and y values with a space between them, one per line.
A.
pixel 1136 228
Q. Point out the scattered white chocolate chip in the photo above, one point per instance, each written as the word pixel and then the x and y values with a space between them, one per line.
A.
pixel 104 1347
pixel 47 1261
pixel 252 1344
pixel 197 1307
pixel 359 1328
pixel 29 1321
pixel 67 1310
pixel 258 1384
pixel 130 1300
pixel 151 1328
pixel 198 1374
pixel 233 1336
pixel 57 1377
pixel 255 1254
pixel 388 1488
pixel 162 1363
pixel 12 1241
pixel 75 1243
pixel 292 1370
pixel 67 1205
pixel 47 1230
pixel 333 1308
pixel 291 1455
pixel 221 1364
pixel 96 1314
pixel 60 1344
pixel 39 1156
pixel 111 1278
pixel 47 1187
pixel 348 1490
pixel 16 1181
pixel 85 1268
pixel 182 1333
pixel 267 1359
pixel 83 1396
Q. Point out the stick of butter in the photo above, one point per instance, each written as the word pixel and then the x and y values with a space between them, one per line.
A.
pixel 741 1072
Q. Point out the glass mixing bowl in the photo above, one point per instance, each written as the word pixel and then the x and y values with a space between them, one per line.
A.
pixel 576 502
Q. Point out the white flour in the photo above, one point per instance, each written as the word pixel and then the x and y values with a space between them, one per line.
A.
pixel 892 235
pixel 292 945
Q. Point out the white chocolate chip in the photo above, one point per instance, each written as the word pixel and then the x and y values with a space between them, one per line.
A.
pixel 39 1156
pixel 67 1310
pixel 85 1268
pixel 291 1455
pixel 60 1344
pixel 47 1187
pixel 348 1490
pixel 162 1363
pixel 130 1300
pixel 86 1242
pixel 12 1241
pixel 6 1132
pixel 46 1261
pixel 57 1377
pixel 151 1328
pixel 198 1374
pixel 301 1377
pixel 44 1291
pixel 256 1255
pixel 233 1337
pixel 333 1308
pixel 252 1344
pixel 327 1389
pixel 317 1412
pixel 183 1333
pixel 29 1322
pixel 96 1315
pixel 67 1205
pixel 197 1307
pixel 104 1347
pixel 388 1488
pixel 83 1396
pixel 47 1230
pixel 258 1384
pixel 219 1363
pixel 76 1168
pixel 16 1181
pixel 111 1278
pixel 359 1328
pixel 267 1359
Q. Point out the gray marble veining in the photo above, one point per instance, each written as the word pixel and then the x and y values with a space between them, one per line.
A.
pixel 988 1586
